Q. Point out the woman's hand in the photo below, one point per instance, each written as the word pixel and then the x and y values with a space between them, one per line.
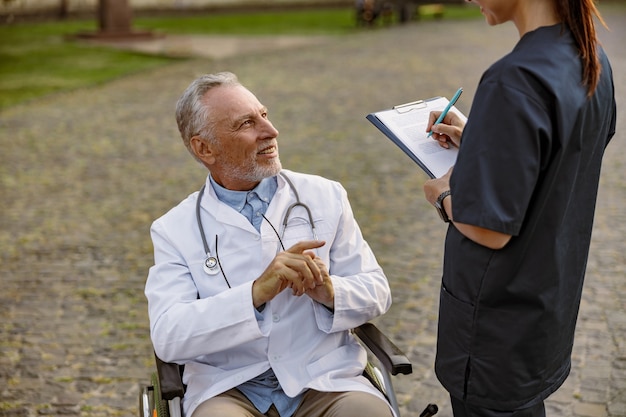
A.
pixel 447 132
pixel 434 187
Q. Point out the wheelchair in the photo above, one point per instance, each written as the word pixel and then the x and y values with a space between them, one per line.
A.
pixel 163 396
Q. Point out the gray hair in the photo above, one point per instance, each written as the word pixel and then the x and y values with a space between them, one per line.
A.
pixel 192 115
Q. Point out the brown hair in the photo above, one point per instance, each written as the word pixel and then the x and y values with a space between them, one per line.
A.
pixel 578 15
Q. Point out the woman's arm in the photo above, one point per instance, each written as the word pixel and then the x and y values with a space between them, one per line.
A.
pixel 435 187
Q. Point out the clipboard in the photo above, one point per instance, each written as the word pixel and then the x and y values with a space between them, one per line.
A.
pixel 405 124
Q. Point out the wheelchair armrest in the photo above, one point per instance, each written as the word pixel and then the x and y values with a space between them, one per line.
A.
pixel 170 379
pixel 389 355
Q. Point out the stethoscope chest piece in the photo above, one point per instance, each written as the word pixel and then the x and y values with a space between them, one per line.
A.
pixel 210 265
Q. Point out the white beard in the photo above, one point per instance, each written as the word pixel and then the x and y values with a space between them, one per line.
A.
pixel 252 172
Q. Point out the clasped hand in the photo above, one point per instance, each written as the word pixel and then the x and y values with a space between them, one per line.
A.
pixel 298 268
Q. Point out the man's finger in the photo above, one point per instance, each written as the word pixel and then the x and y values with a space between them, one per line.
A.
pixel 305 245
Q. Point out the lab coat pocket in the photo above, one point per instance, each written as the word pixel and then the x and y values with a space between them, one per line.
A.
pixel 342 362
pixel 299 228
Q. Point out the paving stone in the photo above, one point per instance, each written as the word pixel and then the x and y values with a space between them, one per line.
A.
pixel 83 174
pixel 590 410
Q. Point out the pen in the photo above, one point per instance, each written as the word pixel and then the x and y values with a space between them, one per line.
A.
pixel 447 109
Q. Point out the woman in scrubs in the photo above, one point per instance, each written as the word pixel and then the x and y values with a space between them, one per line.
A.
pixel 520 202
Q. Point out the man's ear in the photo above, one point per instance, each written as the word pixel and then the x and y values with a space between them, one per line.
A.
pixel 202 149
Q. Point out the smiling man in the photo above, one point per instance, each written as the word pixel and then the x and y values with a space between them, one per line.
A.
pixel 259 276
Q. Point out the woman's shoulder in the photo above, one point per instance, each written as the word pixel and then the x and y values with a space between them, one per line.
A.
pixel 543 61
pixel 543 47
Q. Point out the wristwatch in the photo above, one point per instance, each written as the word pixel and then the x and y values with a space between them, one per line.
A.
pixel 439 206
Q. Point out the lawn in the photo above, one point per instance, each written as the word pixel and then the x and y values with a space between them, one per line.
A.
pixel 43 58
pixel 38 59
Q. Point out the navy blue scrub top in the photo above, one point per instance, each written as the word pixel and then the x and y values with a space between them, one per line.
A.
pixel 529 166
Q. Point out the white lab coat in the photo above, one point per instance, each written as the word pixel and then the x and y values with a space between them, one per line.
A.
pixel 218 336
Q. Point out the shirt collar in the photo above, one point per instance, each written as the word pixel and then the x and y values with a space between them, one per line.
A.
pixel 237 199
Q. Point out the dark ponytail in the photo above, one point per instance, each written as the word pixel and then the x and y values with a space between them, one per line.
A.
pixel 578 15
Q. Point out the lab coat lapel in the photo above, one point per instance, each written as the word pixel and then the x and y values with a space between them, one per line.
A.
pixel 224 214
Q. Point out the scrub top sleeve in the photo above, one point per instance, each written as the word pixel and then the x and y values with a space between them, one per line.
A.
pixel 500 158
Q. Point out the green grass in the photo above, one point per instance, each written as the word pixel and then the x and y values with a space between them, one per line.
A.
pixel 37 59
pixel 311 22
pixel 42 58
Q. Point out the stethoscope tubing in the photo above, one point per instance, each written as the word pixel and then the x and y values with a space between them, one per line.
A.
pixel 212 265
pixel 298 203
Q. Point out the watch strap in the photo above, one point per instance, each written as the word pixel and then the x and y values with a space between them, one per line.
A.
pixel 440 208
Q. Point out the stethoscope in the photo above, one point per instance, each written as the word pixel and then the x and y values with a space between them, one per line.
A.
pixel 212 265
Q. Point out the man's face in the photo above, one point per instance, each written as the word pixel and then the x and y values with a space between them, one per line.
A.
pixel 246 150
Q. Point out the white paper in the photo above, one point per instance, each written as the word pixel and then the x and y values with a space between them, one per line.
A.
pixel 409 126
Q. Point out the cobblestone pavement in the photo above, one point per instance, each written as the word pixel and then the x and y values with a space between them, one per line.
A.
pixel 84 173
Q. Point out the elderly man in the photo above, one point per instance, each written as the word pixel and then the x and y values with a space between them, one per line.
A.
pixel 259 276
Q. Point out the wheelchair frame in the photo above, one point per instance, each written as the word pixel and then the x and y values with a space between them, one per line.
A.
pixel 162 398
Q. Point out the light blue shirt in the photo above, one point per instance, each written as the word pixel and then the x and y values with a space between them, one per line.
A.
pixel 252 204
pixel 264 390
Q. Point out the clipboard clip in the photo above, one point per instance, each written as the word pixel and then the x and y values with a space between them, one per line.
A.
pixel 407 107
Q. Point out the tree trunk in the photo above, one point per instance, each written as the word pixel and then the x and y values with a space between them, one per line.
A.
pixel 115 16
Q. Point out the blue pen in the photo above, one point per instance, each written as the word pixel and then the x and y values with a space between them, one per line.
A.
pixel 447 109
